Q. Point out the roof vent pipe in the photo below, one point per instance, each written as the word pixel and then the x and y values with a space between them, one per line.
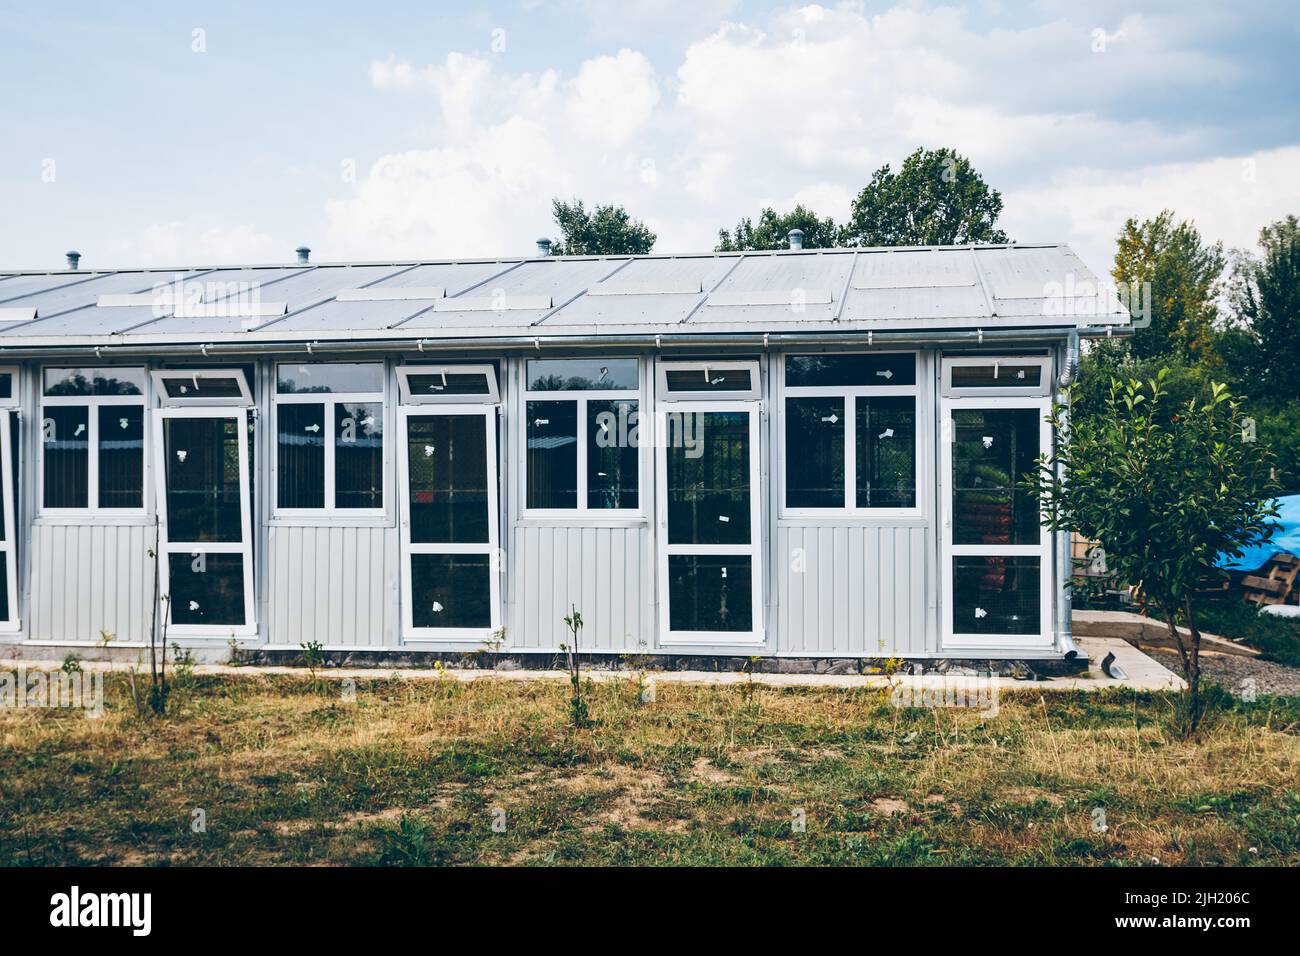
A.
pixel 303 255
pixel 74 260
pixel 543 246
pixel 796 238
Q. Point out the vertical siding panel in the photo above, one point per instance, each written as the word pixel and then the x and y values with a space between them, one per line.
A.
pixel 341 565
pixel 781 584
pixel 856 587
pixel 826 573
pixel 319 596
pixel 607 597
pixel 796 636
pixel 920 590
pixel 888 590
pixel 636 607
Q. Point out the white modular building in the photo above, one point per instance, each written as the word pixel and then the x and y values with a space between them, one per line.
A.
pixel 805 453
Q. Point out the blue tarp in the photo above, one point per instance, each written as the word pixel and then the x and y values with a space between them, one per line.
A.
pixel 1285 537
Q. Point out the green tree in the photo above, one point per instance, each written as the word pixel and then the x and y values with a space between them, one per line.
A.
pixel 935 199
pixel 773 230
pixel 1164 494
pixel 1184 273
pixel 1265 295
pixel 605 231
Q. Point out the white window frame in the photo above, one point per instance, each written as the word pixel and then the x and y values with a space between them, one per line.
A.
pixel 950 638
pixel 849 395
pixel 462 635
pixel 581 396
pixel 666 394
pixel 14 401
pixel 93 404
pixel 754 638
pixel 330 400
pixel 1044 386
pixel 161 376
pixel 244 547
pixel 9 546
pixel 407 397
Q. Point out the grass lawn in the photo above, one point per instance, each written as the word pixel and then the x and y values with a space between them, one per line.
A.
pixel 286 771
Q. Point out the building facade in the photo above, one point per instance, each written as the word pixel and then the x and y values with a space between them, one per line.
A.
pixel 803 453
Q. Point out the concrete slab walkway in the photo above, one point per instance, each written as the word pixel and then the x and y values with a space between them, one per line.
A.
pixel 1143 674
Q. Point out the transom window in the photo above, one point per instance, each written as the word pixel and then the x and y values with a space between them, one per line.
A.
pixel 92 439
pixel 582 435
pixel 425 384
pixel 718 380
pixel 1009 375
pixel 202 387
pixel 329 427
pixel 850 433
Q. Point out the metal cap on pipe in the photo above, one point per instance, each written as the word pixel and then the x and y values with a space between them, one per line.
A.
pixel 74 259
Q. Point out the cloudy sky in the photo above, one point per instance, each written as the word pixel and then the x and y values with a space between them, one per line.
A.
pixel 168 133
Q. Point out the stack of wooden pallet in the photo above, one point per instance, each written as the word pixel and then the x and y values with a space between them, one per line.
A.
pixel 1276 584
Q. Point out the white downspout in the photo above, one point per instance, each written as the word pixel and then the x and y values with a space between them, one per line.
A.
pixel 1069 372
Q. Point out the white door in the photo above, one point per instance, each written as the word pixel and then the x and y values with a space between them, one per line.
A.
pixel 8 531
pixel 996 557
pixel 205 520
pixel 451 587
pixel 710 560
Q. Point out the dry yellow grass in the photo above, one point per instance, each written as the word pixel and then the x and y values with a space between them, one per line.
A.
pixel 287 771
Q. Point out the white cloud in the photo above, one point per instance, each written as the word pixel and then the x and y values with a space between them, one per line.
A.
pixel 1229 198
pixel 801 107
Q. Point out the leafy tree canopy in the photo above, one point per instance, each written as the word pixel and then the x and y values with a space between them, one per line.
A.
pixel 1184 272
pixel 1165 490
pixel 935 198
pixel 1265 295
pixel 605 231
pixel 772 231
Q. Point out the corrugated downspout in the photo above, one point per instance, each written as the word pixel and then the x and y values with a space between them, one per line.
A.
pixel 1070 367
pixel 1064 553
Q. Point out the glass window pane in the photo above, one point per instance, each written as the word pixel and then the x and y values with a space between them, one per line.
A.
pixel 300 468
pixel 94 381
pixel 354 377
pixel 206 588
pixel 448 383
pixel 6 385
pixel 66 436
pixel 4 586
pixel 996 595
pixel 708 477
pixel 121 456
pixel 710 593
pixel 993 450
pixel 828 371
pixel 720 380
pixel 451 590
pixel 558 375
pixel 552 430
pixel 814 452
pixel 202 386
pixel 359 455
pixel 886 452
pixel 613 433
pixel 203 494
pixel 447 461
pixel 997 375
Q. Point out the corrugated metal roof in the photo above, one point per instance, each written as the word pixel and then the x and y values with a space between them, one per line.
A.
pixel 896 289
